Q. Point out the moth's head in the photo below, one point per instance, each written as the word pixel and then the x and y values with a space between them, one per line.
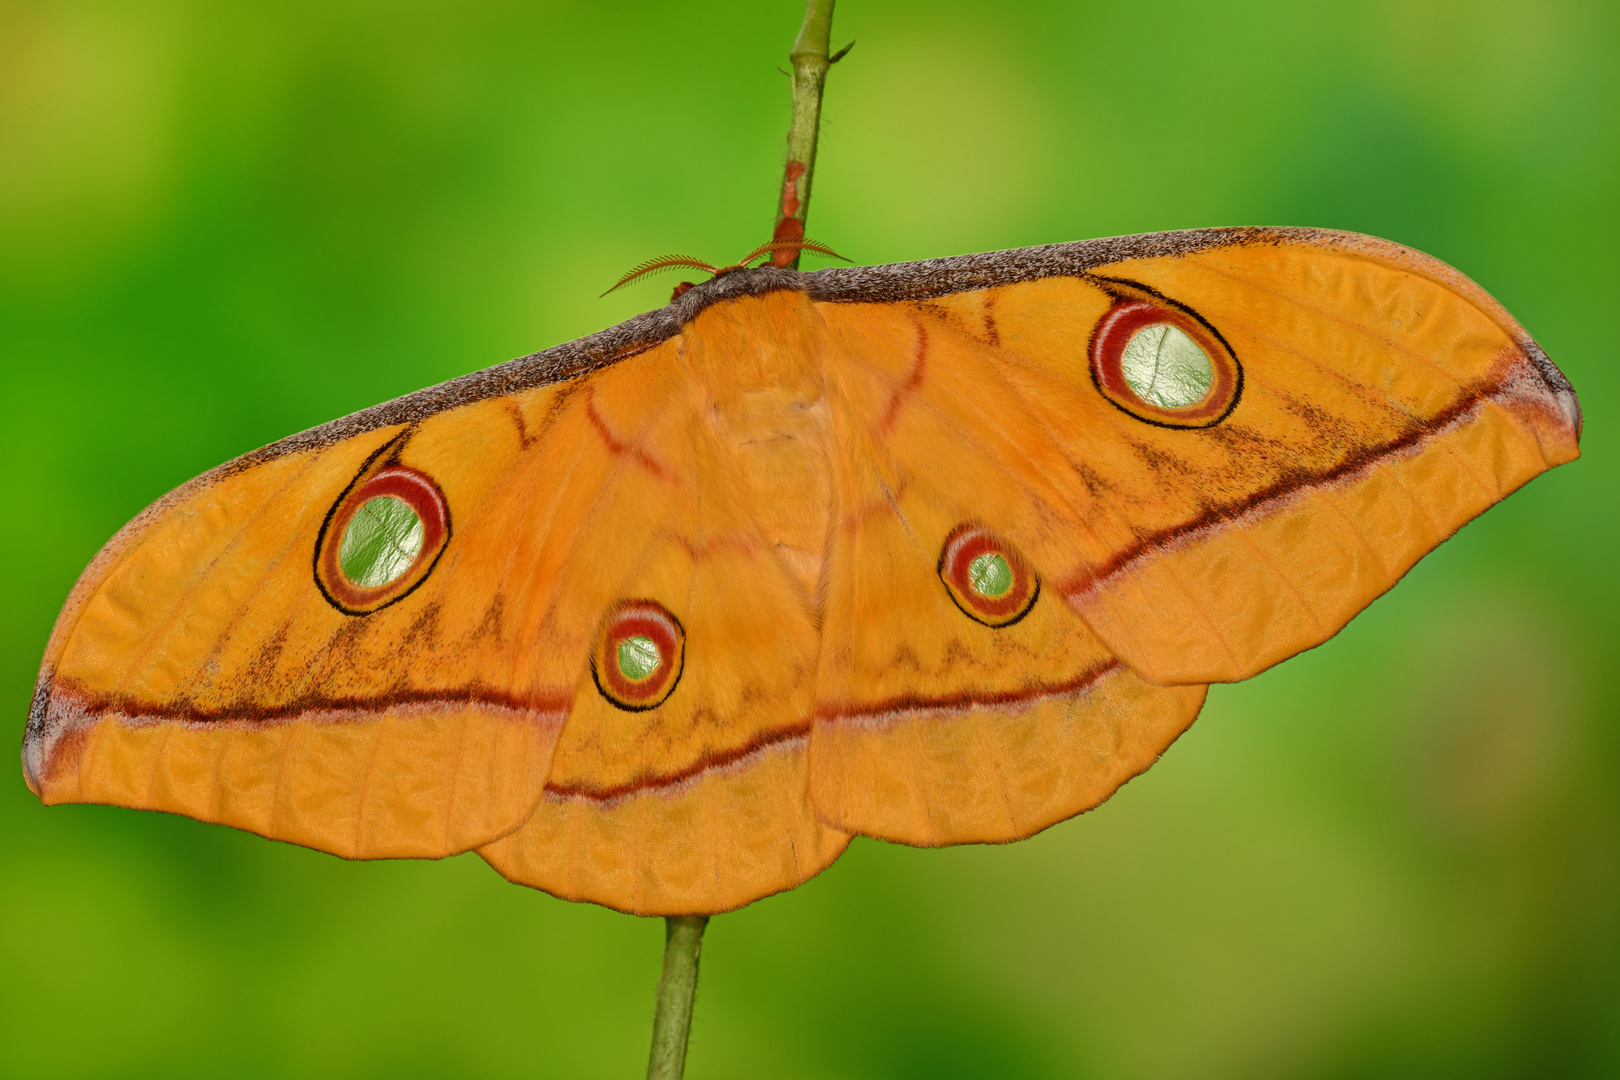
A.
pixel 775 249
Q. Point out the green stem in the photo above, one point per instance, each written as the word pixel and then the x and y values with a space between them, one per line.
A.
pixel 683 934
pixel 672 1023
pixel 810 64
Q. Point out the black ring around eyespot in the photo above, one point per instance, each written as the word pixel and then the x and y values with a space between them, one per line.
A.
pixel 381 475
pixel 1136 307
pixel 628 619
pixel 968 542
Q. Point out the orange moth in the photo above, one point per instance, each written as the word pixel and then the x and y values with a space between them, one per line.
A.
pixel 940 553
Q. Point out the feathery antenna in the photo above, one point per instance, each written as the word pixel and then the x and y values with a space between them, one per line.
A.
pixel 660 264
pixel 669 262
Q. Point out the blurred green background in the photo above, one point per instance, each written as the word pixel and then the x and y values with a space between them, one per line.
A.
pixel 1397 855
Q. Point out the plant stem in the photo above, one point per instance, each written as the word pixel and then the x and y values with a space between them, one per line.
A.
pixel 810 64
pixel 672 1023
pixel 683 934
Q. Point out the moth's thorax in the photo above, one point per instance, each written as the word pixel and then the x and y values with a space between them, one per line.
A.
pixel 758 361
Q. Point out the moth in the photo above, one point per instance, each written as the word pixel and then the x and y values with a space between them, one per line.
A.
pixel 942 552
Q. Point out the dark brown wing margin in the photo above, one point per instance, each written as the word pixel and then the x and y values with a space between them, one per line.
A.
pixel 897 282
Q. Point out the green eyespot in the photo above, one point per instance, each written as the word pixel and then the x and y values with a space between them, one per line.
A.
pixel 382 537
pixel 986 578
pixel 381 542
pixel 639 657
pixel 1165 367
pixel 990 575
pixel 1162 363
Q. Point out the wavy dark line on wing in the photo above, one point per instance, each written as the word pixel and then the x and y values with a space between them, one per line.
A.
pixel 1289 484
pixel 651 782
pixel 361 708
pixel 910 703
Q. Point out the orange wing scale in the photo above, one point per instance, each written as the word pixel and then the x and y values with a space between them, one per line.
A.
pixel 778 485
pixel 699 803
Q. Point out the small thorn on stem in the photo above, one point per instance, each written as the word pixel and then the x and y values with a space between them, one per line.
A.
pixel 810 63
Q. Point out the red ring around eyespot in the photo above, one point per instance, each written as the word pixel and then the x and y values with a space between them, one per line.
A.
pixel 418 491
pixel 639 618
pixel 964 545
pixel 1115 330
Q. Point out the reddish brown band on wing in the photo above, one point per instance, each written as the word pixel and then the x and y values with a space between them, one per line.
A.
pixel 889 709
pixel 63 711
pixel 780 739
pixel 1296 482
pixel 785 737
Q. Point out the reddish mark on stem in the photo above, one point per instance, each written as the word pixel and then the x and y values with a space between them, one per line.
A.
pixel 790 189
pixel 790 230
pixel 791 227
